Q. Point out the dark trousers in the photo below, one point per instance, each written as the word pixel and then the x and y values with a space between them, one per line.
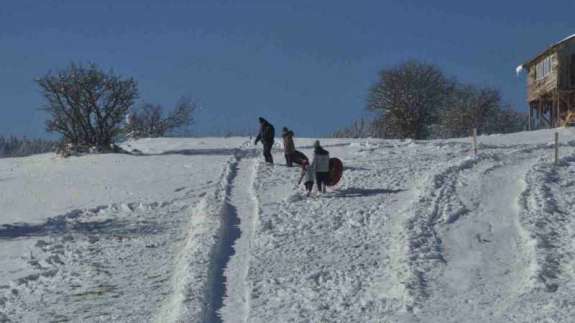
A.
pixel 298 157
pixel 268 152
pixel 308 187
pixel 321 178
pixel 289 161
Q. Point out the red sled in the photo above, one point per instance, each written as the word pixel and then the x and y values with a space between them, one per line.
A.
pixel 335 171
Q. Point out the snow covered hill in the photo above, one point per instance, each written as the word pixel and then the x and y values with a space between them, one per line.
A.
pixel 201 230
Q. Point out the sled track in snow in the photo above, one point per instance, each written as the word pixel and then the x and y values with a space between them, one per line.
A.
pixel 487 259
pixel 199 291
pixel 436 203
pixel 230 258
pixel 541 217
pixel 243 212
pixel 228 233
pixel 191 298
pixel 548 221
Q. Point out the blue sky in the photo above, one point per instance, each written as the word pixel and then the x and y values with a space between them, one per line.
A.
pixel 302 64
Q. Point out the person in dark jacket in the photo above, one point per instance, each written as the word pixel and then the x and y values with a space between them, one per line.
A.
pixel 289 146
pixel 266 135
pixel 320 165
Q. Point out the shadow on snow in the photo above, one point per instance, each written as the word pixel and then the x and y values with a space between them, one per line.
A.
pixel 67 223
pixel 195 152
pixel 363 192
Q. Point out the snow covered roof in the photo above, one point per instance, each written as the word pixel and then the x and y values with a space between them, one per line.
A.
pixel 565 39
pixel 543 53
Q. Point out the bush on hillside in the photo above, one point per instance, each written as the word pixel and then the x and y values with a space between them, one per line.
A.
pixel 87 106
pixel 149 121
pixel 471 107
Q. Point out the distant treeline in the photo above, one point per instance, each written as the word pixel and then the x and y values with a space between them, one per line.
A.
pixel 19 147
pixel 417 100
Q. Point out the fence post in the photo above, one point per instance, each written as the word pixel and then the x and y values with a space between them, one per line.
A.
pixel 556 148
pixel 474 141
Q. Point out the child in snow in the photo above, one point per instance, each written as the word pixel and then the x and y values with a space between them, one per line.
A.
pixel 308 174
pixel 320 166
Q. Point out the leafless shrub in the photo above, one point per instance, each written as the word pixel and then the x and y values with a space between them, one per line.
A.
pixel 471 107
pixel 86 105
pixel 148 121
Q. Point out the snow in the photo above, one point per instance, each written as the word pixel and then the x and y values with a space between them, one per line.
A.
pixel 53 185
pixel 202 230
pixel 564 39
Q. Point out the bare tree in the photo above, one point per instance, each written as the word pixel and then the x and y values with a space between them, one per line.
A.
pixel 509 120
pixel 148 120
pixel 471 107
pixel 416 100
pixel 86 105
pixel 408 97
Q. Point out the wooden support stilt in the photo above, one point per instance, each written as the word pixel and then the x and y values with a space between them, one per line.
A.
pixel 556 148
pixel 529 125
pixel 552 110
pixel 474 141
pixel 539 104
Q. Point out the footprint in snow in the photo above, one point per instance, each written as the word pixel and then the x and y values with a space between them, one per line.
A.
pixel 295 197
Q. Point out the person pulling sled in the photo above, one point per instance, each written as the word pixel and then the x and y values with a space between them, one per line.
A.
pixel 291 154
pixel 289 146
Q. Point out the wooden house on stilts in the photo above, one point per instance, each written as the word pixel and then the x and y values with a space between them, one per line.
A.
pixel 551 86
